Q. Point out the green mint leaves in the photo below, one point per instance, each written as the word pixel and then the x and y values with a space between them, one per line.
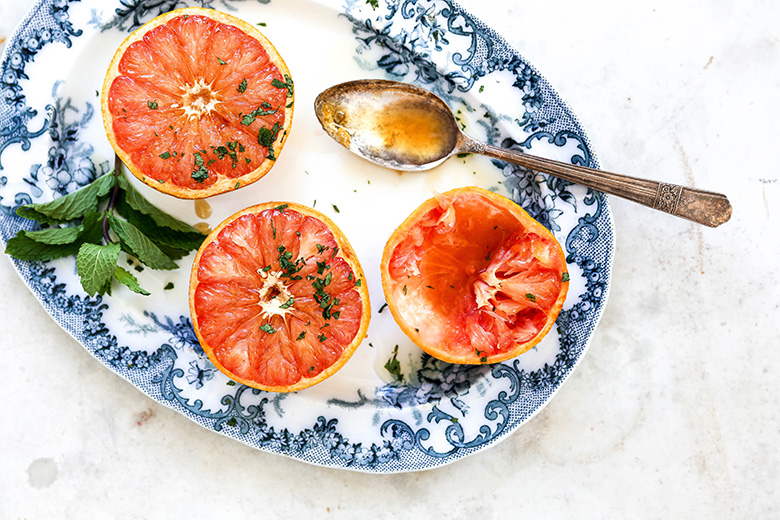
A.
pixel 287 84
pixel 393 366
pixel 266 138
pixel 69 207
pixel 98 222
pixel 265 109
pixel 268 328
pixel 201 171
pixel 96 265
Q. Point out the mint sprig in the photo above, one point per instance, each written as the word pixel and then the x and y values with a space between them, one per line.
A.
pixel 71 206
pixel 96 223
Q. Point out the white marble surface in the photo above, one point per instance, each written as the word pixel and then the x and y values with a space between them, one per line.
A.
pixel 673 413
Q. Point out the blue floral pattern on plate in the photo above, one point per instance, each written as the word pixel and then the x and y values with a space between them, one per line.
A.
pixel 429 414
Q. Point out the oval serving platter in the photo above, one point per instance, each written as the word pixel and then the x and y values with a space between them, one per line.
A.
pixel 391 408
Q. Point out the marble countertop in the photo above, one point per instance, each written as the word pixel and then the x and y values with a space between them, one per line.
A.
pixel 673 413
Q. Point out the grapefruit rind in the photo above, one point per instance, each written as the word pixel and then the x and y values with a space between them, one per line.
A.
pixel 425 319
pixel 223 183
pixel 345 253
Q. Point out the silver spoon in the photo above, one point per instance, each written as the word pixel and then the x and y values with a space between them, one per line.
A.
pixel 404 127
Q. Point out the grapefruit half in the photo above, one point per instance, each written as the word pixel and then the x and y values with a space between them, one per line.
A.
pixel 197 102
pixel 471 278
pixel 278 298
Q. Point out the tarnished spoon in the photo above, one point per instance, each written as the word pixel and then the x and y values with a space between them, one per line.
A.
pixel 405 127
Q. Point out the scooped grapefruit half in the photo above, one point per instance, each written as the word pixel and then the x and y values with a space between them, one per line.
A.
pixel 471 278
pixel 197 102
pixel 278 298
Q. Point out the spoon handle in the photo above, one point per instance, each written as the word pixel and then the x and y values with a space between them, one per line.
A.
pixel 703 207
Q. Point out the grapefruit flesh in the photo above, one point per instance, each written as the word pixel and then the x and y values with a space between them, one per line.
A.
pixel 471 278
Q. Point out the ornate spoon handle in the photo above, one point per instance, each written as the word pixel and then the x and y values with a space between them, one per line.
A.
pixel 703 207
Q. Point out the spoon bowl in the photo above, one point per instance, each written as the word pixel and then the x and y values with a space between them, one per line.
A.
pixel 393 124
pixel 405 127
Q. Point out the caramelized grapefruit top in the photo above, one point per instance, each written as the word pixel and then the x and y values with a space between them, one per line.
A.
pixel 471 278
pixel 277 297
pixel 197 102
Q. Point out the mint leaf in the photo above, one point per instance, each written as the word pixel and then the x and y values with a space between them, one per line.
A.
pixel 88 231
pixel 56 235
pixel 201 171
pixel 174 253
pixel 71 206
pixel 268 329
pixel 137 201
pixel 127 279
pixel 160 235
pixel 96 265
pixel 266 137
pixel 56 242
pixel 92 228
pixel 393 366
pixel 29 213
pixel 22 247
pixel 265 109
pixel 137 244
pixel 288 84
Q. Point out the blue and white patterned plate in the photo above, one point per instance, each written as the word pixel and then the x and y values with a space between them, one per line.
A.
pixel 364 418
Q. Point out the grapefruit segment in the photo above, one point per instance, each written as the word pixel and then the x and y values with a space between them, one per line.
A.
pixel 197 102
pixel 278 298
pixel 471 278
